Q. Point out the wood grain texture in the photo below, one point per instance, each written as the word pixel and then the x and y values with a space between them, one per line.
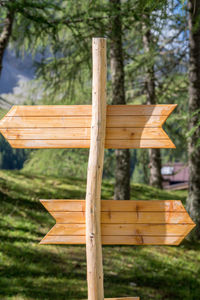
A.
pixel 132 126
pixel 95 171
pixel 120 144
pixel 115 240
pixel 83 134
pixel 138 144
pixel 81 121
pixel 47 144
pixel 110 144
pixel 124 298
pixel 113 205
pixel 86 110
pixel 122 222
pixel 125 217
pixel 125 229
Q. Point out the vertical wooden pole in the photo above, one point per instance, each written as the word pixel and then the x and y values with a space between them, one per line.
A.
pixel 95 169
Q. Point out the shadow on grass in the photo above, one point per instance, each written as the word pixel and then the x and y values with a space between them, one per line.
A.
pixel 31 271
pixel 170 278
pixel 40 274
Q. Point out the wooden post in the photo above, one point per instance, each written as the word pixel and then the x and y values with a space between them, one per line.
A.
pixel 95 169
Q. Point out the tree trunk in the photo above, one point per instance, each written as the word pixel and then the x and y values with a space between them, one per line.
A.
pixel 122 172
pixel 155 178
pixel 5 35
pixel 193 200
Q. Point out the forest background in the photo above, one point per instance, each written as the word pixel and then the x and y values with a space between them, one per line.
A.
pixel 153 58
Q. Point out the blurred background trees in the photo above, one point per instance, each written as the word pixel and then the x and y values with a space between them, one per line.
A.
pixel 152 47
pixel 193 200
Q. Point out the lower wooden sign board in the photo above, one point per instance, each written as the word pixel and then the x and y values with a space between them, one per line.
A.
pixel 164 222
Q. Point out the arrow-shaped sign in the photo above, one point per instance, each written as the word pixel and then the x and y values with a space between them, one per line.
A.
pixel 122 222
pixel 69 126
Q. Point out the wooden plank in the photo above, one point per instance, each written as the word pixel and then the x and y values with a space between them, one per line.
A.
pixel 47 134
pixel 73 240
pixel 86 110
pixel 45 122
pixel 116 205
pixel 83 133
pixel 95 171
pixel 122 222
pixel 125 217
pixel 135 121
pixel 81 121
pixel 142 240
pixel 138 144
pixel 116 240
pixel 117 144
pixel 124 298
pixel 135 134
pixel 50 110
pixel 49 144
pixel 125 229
pixel 141 110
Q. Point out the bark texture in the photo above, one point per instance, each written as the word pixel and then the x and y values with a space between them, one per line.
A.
pixel 95 170
pixel 193 200
pixel 5 35
pixel 122 172
pixel 155 178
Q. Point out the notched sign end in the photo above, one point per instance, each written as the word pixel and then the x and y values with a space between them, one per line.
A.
pixel 123 222
pixel 68 126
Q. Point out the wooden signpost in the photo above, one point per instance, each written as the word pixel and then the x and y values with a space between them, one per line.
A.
pixel 94 221
pixel 164 222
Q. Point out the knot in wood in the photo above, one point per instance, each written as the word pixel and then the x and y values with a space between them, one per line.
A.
pixel 91 235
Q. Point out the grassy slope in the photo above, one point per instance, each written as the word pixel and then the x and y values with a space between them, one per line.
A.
pixel 31 271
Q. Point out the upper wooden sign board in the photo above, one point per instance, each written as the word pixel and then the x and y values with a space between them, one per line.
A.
pixel 122 222
pixel 68 126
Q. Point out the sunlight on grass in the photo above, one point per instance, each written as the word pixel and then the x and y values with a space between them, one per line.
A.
pixel 31 271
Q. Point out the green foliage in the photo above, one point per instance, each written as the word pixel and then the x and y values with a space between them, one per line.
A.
pixel 66 162
pixel 58 162
pixel 61 32
pixel 10 158
pixel 141 172
pixel 32 271
pixel 177 124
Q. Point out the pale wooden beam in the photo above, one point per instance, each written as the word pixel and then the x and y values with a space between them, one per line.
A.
pixel 94 175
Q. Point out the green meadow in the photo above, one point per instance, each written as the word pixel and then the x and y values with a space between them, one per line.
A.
pixel 32 271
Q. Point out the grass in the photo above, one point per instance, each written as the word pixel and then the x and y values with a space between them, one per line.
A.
pixel 32 271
